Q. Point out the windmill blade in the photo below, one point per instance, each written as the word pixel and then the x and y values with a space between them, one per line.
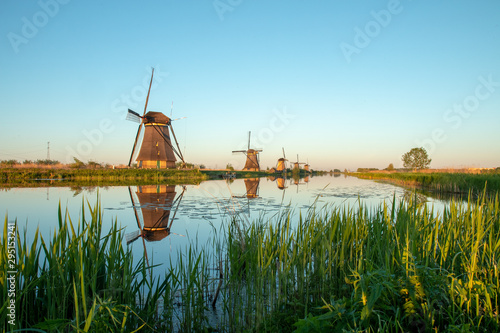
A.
pixel 179 152
pixel 178 118
pixel 149 90
pixel 249 133
pixel 283 148
pixel 239 151
pixel 135 144
pixel 132 236
pixel 178 199
pixel 134 208
pixel 133 116
pixel 140 126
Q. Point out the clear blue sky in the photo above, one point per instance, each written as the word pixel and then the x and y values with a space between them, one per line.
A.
pixel 343 84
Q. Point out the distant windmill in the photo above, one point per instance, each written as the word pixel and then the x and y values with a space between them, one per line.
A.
pixel 296 165
pixel 306 166
pixel 252 162
pixel 281 166
pixel 156 150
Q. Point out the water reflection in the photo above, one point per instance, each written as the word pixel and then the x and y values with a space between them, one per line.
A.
pixel 297 181
pixel 152 214
pixel 252 186
pixel 155 204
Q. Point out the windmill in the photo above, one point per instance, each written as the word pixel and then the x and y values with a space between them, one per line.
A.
pixel 296 165
pixel 306 166
pixel 252 162
pixel 156 150
pixel 155 205
pixel 281 166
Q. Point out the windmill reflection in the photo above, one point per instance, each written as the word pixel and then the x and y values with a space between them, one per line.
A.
pixel 252 186
pixel 281 182
pixel 156 203
pixel 296 180
pixel 252 191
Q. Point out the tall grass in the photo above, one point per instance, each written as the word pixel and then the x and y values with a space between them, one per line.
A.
pixel 396 267
pixel 80 280
pixel 442 182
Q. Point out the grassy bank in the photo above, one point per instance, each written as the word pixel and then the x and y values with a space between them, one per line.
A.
pixel 439 182
pixel 396 267
pixel 219 174
pixel 13 175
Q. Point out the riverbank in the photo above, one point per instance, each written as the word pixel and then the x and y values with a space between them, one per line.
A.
pixel 218 174
pixel 18 175
pixel 441 182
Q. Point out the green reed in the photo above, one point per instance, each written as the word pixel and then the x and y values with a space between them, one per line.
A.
pixel 81 279
pixel 441 182
pixel 396 267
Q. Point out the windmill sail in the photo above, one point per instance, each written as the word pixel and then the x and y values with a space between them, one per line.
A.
pixel 157 150
pixel 133 116
pixel 140 125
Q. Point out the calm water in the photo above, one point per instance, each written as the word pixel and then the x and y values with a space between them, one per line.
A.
pixel 192 212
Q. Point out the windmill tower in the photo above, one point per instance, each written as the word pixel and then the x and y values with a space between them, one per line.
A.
pixel 156 150
pixel 296 165
pixel 252 162
pixel 281 166
pixel 306 166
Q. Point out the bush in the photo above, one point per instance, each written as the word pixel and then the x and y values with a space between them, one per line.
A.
pixel 46 162
pixel 77 165
pixel 9 163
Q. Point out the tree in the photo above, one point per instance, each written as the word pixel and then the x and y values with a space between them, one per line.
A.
pixel 390 167
pixel 77 165
pixel 416 158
